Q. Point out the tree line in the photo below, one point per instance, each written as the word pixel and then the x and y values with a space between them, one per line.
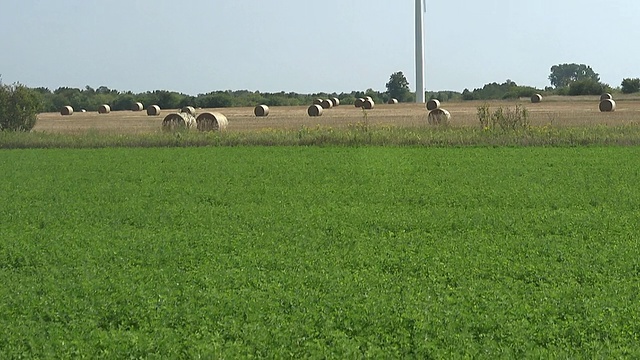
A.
pixel 20 104
pixel 91 99
pixel 565 79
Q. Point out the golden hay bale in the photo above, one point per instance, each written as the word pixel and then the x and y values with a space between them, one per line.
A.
pixel 439 117
pixel 67 110
pixel 189 110
pixel 317 101
pixel 336 101
pixel 153 110
pixel 606 96
pixel 433 104
pixel 137 106
pixel 178 121
pixel 315 110
pixel 607 105
pixel 327 104
pixel 368 98
pixel 392 101
pixel 211 121
pixel 83 110
pixel 359 102
pixel 261 110
pixel 104 109
pixel 368 104
pixel 536 98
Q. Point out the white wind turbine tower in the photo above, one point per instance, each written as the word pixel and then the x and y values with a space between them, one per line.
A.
pixel 420 10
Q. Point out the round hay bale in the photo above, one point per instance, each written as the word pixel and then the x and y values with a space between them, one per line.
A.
pixel 153 110
pixel 536 98
pixel 211 121
pixel 66 110
pixel 317 101
pixel 392 101
pixel 606 96
pixel 368 98
pixel 336 101
pixel 261 110
pixel 327 104
pixel 189 110
pixel 433 104
pixel 83 110
pixel 607 105
pixel 178 121
pixel 137 106
pixel 315 110
pixel 439 117
pixel 368 104
pixel 359 102
pixel 104 109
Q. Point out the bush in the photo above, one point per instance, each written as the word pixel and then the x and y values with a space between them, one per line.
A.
pixel 630 86
pixel 19 107
pixel 588 87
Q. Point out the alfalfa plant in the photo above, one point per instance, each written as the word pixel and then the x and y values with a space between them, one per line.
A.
pixel 505 119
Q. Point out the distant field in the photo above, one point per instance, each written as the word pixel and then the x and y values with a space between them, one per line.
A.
pixel 555 111
pixel 320 252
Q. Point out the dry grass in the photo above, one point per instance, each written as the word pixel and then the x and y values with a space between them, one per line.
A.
pixel 554 111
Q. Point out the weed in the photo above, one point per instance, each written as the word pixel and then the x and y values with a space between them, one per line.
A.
pixel 505 119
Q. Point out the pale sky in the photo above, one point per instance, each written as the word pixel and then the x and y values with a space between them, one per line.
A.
pixel 198 46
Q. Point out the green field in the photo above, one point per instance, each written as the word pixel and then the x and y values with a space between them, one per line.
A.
pixel 320 252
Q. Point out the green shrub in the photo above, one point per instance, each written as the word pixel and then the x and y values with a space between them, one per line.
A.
pixel 19 107
pixel 588 87
pixel 630 86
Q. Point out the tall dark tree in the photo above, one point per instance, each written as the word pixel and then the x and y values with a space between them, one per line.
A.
pixel 398 87
pixel 562 75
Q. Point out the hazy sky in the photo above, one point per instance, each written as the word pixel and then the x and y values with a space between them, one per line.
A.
pixel 197 46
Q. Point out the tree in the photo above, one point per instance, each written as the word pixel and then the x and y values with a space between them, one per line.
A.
pixel 19 107
pixel 563 75
pixel 630 86
pixel 398 87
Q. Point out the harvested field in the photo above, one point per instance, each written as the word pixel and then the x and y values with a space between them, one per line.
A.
pixel 555 110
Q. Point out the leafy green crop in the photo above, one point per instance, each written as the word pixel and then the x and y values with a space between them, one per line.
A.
pixel 295 252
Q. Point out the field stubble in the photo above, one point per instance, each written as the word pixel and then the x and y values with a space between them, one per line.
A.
pixel 554 111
